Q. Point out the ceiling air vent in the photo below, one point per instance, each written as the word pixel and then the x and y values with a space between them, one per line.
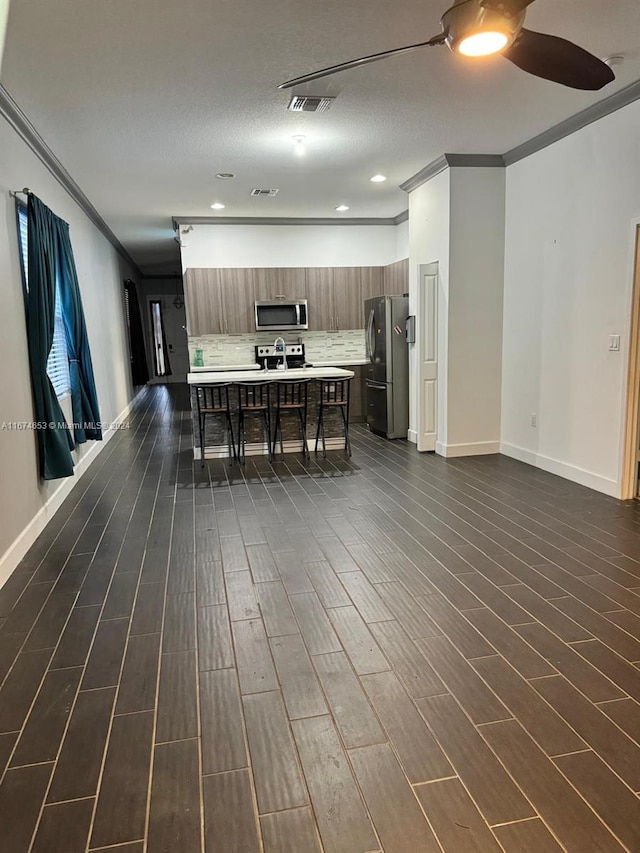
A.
pixel 310 104
pixel 270 193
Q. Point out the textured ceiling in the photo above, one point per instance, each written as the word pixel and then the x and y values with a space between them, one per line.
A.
pixel 143 102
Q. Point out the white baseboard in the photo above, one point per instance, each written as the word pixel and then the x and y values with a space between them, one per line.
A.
pixel 563 469
pixel 412 435
pixel 21 544
pixel 476 448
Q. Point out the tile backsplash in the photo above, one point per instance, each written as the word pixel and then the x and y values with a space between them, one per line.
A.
pixel 238 349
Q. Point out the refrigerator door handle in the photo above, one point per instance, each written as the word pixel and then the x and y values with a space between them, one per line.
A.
pixel 368 337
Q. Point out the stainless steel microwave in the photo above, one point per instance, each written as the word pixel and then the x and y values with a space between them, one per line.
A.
pixel 280 314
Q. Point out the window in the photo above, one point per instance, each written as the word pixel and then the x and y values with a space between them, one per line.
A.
pixel 58 363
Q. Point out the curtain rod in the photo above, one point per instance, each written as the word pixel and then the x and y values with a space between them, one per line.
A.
pixel 15 193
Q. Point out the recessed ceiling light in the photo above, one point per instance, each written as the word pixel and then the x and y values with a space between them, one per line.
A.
pixel 225 175
pixel 217 206
pixel 378 179
pixel 342 207
pixel 299 144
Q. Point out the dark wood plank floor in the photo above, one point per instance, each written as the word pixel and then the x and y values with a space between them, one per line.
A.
pixel 392 653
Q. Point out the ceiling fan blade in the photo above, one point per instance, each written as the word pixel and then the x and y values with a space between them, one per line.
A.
pixel 364 60
pixel 558 60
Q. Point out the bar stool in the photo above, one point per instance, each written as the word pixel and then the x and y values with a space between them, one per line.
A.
pixel 254 398
pixel 334 394
pixel 291 396
pixel 214 400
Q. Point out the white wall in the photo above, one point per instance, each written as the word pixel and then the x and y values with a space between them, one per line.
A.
pixel 571 211
pixel 290 246
pixel 457 219
pixel 429 238
pixel 402 241
pixel 476 271
pixel 25 502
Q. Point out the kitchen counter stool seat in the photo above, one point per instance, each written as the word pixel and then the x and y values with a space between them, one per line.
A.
pixel 213 400
pixel 334 394
pixel 291 396
pixel 254 398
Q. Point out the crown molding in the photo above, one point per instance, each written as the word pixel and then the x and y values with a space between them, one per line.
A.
pixel 429 171
pixel 446 161
pixel 286 220
pixel 597 111
pixel 14 115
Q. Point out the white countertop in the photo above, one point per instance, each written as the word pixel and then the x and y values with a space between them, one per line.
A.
pixel 334 362
pixel 213 377
pixel 209 368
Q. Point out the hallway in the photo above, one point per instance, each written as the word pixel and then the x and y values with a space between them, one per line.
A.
pixel 393 652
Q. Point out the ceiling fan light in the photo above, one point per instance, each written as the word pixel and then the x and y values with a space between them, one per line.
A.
pixel 483 43
pixel 474 29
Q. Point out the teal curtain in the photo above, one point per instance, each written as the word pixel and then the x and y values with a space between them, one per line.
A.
pixel 54 439
pixel 84 398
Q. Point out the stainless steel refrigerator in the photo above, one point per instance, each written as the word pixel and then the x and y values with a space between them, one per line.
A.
pixel 387 373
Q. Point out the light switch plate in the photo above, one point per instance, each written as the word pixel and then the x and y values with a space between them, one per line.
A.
pixel 614 343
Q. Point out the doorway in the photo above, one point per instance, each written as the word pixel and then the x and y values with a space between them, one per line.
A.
pixel 135 335
pixel 427 357
pixel 168 337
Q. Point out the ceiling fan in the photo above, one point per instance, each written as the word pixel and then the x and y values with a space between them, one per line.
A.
pixel 482 27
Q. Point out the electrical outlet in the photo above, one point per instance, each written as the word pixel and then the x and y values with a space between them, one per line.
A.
pixel 220 345
pixel 534 420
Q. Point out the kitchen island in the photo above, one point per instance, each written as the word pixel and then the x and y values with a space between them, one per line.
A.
pixel 214 441
pixel 219 377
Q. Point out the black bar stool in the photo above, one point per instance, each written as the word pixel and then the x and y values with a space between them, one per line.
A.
pixel 254 398
pixel 334 394
pixel 214 400
pixel 291 396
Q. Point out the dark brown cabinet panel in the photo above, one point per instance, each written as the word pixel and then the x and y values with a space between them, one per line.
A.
pixel 356 393
pixel 203 302
pixel 371 284
pixel 221 301
pixel 319 291
pixel 396 277
pixel 274 282
pixel 347 298
pixel 237 295
pixel 336 296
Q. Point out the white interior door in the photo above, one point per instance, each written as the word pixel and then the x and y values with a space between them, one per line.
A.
pixel 427 368
pixel 175 321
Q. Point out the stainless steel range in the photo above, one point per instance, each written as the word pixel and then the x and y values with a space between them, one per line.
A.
pixel 271 356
